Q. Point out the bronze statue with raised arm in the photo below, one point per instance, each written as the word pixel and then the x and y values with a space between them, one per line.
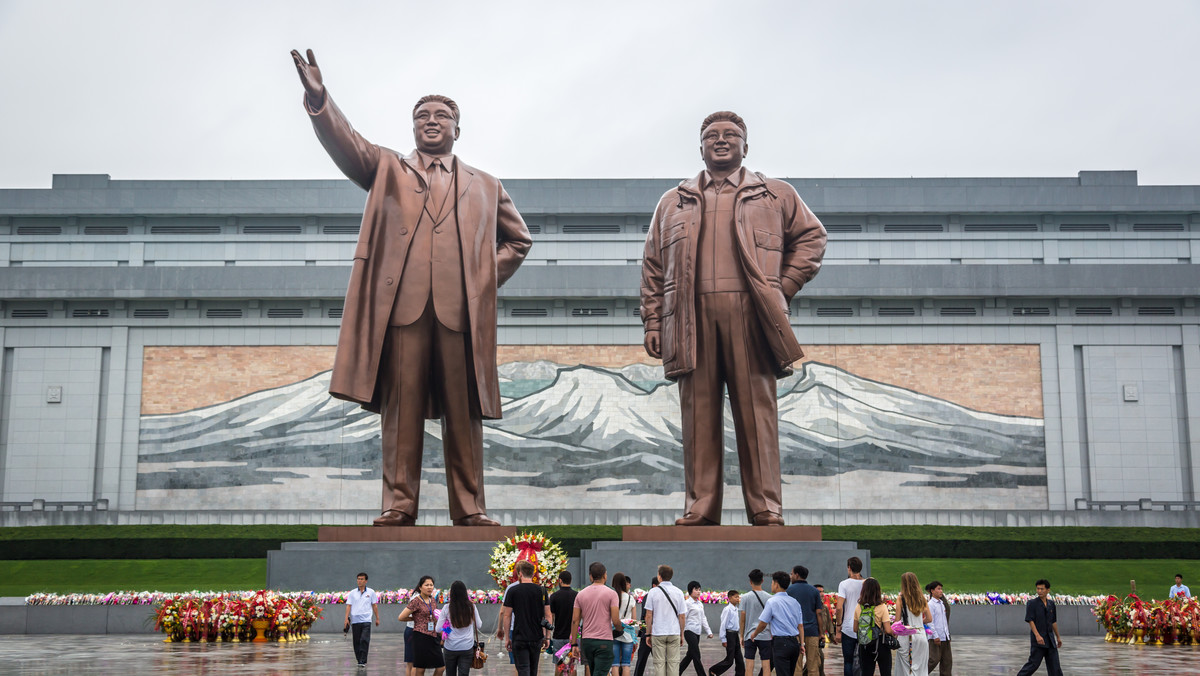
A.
pixel 418 336
pixel 726 252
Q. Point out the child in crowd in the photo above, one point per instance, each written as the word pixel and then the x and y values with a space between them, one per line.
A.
pixel 731 635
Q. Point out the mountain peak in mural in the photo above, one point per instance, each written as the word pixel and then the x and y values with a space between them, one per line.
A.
pixel 585 424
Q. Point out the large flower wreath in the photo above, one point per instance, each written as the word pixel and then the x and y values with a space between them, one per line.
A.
pixel 547 557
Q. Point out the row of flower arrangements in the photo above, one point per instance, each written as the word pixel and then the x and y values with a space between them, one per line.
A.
pixel 1132 620
pixel 236 616
pixel 480 596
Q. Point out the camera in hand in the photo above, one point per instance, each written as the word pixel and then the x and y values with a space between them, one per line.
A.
pixel 546 624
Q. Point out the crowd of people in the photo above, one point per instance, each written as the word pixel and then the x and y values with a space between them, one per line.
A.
pixel 783 631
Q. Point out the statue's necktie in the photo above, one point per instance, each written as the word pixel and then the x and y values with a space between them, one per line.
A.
pixel 439 187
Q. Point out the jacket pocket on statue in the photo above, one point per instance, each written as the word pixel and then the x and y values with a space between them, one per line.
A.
pixel 667 328
pixel 768 247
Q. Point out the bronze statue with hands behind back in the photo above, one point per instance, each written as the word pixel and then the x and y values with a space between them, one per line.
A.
pixel 418 335
pixel 726 252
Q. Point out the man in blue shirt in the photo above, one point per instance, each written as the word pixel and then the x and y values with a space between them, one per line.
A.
pixel 1180 589
pixel 783 614
pixel 810 601
pixel 1044 640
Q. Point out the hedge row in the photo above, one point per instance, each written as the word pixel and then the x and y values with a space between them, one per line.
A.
pixel 218 542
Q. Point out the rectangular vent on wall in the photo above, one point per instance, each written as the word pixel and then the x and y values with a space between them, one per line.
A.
pixel 334 313
pixel 1147 311
pixel 646 228
pixel 1084 227
pixel 636 312
pixel 901 227
pixel 285 313
pixel 185 230
pixel 835 312
pixel 151 313
pixel 589 312
pixel 1000 227
pixel 340 229
pixel 591 229
pixel 529 312
pixel 39 229
pixel 896 312
pixel 106 229
pixel 89 312
pixel 29 313
pixel 843 227
pixel 958 312
pixel 534 229
pixel 1093 311
pixel 1157 227
pixel 223 313
pixel 272 229
pixel 1031 312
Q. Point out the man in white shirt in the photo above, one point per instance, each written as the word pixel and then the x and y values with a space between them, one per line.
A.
pixel 361 604
pixel 664 617
pixel 939 645
pixel 731 637
pixel 847 598
pixel 1180 590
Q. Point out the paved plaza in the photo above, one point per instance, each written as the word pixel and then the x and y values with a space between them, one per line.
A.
pixel 78 655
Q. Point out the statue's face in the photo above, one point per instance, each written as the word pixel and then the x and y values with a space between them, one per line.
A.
pixel 434 128
pixel 723 146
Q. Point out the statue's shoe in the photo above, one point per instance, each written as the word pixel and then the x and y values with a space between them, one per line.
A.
pixel 476 520
pixel 767 519
pixel 693 519
pixel 394 517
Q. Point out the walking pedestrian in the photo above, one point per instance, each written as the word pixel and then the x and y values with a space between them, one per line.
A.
pixel 643 647
pixel 810 602
pixel 459 626
pixel 562 604
pixel 695 625
pixel 592 622
pixel 664 617
pixel 752 606
pixel 427 652
pixel 940 655
pixel 783 614
pixel 1042 617
pixel 624 645
pixel 362 603
pixel 528 607
pixel 912 657
pixel 731 637
pixel 846 600
pixel 871 622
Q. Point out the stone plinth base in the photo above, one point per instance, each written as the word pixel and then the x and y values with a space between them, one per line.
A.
pixel 332 566
pixel 414 533
pixel 721 533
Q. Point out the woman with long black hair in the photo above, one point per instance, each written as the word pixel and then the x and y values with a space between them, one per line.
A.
pixel 427 652
pixel 458 626
pixel 695 624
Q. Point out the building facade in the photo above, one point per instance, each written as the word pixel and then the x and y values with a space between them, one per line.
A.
pixel 979 351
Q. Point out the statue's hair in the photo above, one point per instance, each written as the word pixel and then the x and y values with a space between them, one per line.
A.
pixel 438 98
pixel 724 116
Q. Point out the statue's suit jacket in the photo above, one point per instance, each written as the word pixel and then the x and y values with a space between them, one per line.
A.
pixel 494 242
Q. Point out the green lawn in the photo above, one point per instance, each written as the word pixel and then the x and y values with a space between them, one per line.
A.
pixel 21 578
pixel 1076 576
pixel 1092 576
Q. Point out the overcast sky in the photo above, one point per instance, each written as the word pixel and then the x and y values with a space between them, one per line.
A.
pixel 206 90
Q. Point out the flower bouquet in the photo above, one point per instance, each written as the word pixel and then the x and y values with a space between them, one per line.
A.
pixel 547 557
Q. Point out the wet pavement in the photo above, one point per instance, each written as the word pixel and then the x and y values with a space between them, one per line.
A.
pixel 29 655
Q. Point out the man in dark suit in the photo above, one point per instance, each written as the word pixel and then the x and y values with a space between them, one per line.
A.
pixel 418 336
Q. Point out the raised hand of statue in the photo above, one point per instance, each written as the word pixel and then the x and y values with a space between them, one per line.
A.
pixel 310 77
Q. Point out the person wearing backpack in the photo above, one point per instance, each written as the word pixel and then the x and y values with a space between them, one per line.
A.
pixel 872 622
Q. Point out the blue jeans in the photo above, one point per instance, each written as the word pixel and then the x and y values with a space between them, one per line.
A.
pixel 622 653
pixel 849 650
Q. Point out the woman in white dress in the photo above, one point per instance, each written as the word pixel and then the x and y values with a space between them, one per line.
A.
pixel 912 657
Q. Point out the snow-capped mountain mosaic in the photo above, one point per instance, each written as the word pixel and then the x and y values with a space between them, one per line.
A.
pixel 583 436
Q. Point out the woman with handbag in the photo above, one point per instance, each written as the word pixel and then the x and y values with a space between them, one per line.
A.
pixel 460 625
pixel 623 645
pixel 420 609
pixel 873 623
pixel 912 657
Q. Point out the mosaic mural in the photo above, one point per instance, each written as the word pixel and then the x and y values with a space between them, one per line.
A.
pixel 874 427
